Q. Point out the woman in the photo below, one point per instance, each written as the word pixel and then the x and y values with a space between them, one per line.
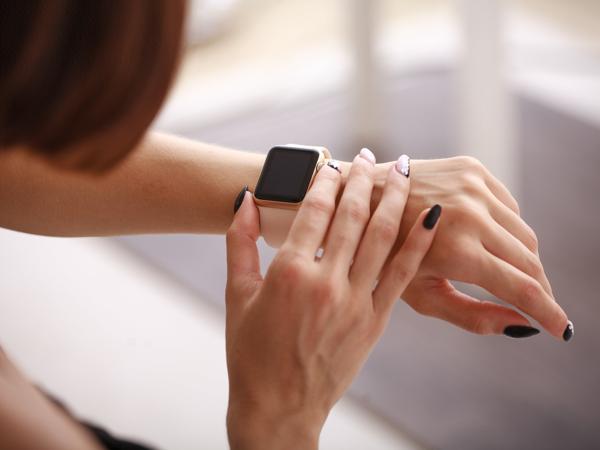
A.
pixel 80 82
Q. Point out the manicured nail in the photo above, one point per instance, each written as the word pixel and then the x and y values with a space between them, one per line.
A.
pixel 432 217
pixel 367 154
pixel 569 332
pixel 520 331
pixel 403 165
pixel 239 199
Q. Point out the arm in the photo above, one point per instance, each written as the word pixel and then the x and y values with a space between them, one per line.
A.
pixel 29 420
pixel 174 185
pixel 168 185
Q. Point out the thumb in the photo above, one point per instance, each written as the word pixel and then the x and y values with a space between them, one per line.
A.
pixel 243 264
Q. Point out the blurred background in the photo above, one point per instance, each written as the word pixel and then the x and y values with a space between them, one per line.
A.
pixel 515 83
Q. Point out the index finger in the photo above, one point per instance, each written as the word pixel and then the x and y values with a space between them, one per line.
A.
pixel 312 221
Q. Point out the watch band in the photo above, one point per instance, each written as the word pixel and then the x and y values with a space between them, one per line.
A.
pixel 275 223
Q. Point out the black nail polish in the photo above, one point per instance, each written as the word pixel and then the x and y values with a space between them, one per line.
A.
pixel 432 217
pixel 520 331
pixel 239 199
pixel 569 332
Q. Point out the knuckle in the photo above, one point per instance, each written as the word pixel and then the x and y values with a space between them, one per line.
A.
pixel 531 292
pixel 472 185
pixel 292 272
pixel 343 238
pixel 290 266
pixel 402 272
pixel 471 163
pixel 474 215
pixel 512 204
pixel 320 204
pixel 325 291
pixel 479 325
pixel 515 206
pixel 359 322
pixel 356 209
pixel 533 243
pixel 385 229
pixel 470 257
pixel 534 266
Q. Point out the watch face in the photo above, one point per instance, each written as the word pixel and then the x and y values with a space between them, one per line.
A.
pixel 286 174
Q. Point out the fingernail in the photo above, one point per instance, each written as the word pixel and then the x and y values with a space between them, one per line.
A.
pixel 432 217
pixel 520 331
pixel 403 165
pixel 367 154
pixel 569 332
pixel 239 199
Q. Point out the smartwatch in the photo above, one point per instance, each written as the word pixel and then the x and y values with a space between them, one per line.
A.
pixel 285 178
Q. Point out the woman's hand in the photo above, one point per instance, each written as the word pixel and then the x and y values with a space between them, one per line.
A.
pixel 482 241
pixel 297 338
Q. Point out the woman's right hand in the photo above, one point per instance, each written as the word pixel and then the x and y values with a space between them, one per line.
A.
pixel 297 338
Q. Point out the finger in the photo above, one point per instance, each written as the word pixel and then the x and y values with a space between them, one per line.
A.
pixel 504 245
pixel 501 192
pixel 510 284
pixel 243 263
pixel 514 224
pixel 312 221
pixel 406 261
pixel 352 214
pixel 438 298
pixel 382 231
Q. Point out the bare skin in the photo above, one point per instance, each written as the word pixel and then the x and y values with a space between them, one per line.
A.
pixel 29 421
pixel 297 338
pixel 174 185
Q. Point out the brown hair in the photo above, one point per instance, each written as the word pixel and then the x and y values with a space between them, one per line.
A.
pixel 81 80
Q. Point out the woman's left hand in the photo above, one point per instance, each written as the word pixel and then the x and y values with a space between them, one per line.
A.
pixel 482 241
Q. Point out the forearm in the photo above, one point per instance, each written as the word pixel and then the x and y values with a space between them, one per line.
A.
pixel 253 432
pixel 29 420
pixel 271 422
pixel 168 185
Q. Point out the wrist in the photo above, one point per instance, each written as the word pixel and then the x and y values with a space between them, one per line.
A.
pixel 249 430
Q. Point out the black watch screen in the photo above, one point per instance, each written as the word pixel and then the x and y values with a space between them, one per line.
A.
pixel 286 174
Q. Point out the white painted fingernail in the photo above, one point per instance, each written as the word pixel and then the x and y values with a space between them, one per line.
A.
pixel 403 165
pixel 367 154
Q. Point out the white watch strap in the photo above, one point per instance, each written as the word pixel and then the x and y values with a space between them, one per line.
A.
pixel 275 224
